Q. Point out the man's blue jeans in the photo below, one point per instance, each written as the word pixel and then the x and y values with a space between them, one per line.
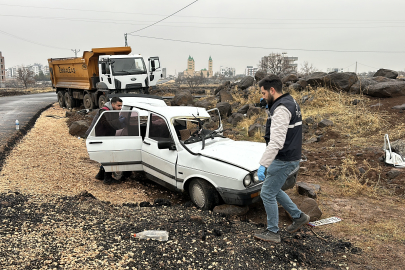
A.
pixel 271 192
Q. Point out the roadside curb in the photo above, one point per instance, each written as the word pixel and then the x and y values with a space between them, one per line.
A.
pixel 15 139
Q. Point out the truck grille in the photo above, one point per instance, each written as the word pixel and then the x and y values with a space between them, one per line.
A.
pixel 134 86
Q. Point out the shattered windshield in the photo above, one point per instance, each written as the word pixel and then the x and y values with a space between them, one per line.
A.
pixel 128 66
pixel 190 130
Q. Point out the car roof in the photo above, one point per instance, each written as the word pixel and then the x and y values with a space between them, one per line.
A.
pixel 174 111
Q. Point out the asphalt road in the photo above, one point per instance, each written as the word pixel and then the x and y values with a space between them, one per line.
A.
pixel 21 108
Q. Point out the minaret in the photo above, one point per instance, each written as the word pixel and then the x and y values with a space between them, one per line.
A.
pixel 190 66
pixel 210 73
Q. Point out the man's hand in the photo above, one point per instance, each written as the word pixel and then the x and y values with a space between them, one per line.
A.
pixel 260 173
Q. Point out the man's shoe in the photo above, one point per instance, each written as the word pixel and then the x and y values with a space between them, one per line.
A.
pixel 100 174
pixel 298 223
pixel 268 236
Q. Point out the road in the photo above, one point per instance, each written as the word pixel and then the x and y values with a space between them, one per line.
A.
pixel 21 108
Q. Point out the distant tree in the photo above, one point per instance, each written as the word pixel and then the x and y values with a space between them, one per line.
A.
pixel 26 76
pixel 42 77
pixel 276 63
pixel 194 81
pixel 307 69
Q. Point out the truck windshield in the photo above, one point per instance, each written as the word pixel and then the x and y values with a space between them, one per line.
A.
pixel 128 66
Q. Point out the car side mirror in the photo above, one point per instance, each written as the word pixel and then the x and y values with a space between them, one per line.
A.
pixel 166 145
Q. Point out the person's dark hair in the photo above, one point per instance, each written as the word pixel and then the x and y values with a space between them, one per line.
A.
pixel 271 81
pixel 115 100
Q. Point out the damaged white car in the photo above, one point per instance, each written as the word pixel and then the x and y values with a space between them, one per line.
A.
pixel 181 148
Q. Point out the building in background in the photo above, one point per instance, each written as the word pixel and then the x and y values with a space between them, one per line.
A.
pixel 334 70
pixel 164 73
pixel 191 72
pixel 250 71
pixel 227 71
pixel 2 72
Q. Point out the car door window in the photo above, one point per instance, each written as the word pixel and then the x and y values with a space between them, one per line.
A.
pixel 117 123
pixel 158 129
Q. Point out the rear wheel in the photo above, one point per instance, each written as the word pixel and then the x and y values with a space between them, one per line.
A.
pixel 88 102
pixel 203 194
pixel 61 99
pixel 69 101
pixel 101 100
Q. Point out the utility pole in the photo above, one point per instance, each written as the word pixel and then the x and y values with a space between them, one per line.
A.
pixel 356 68
pixel 126 42
pixel 75 51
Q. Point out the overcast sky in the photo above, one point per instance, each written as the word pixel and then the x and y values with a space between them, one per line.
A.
pixel 312 30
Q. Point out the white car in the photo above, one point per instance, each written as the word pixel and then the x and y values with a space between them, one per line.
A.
pixel 181 148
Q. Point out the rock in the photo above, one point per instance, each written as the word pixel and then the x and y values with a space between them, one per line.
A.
pixel 182 98
pixel 309 120
pixel 303 83
pixel 393 173
pixel 312 140
pixel 253 111
pixel 398 147
pixel 290 78
pixel 246 82
pixel 310 207
pixel 237 117
pixel 197 219
pixel 362 170
pixel 253 129
pixel 230 118
pixel 224 108
pixel 325 123
pixel 261 121
pixel 225 96
pixel 207 103
pixel 340 80
pixel 391 88
pixel 259 75
pixel 225 86
pixel 69 113
pixel 296 87
pixel 306 98
pixel 78 128
pixel 386 73
pixel 243 109
pixel 355 101
pixel 316 79
pixel 309 190
pixel 231 210
pixel 162 202
pixel 399 107
pixel 305 128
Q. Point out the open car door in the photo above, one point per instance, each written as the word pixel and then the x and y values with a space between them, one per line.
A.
pixel 115 141
pixel 155 70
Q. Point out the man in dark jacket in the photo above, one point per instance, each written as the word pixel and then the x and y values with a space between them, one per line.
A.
pixel 281 157
pixel 107 126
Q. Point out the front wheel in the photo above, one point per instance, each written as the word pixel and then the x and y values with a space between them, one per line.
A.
pixel 88 102
pixel 203 194
pixel 69 101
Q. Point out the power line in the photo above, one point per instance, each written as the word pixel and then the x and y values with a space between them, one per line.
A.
pixel 184 16
pixel 163 18
pixel 33 42
pixel 265 48
pixel 367 65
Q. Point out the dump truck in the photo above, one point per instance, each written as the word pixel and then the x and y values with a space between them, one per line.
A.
pixel 100 72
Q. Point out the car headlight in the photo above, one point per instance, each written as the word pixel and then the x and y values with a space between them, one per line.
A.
pixel 256 178
pixel 247 180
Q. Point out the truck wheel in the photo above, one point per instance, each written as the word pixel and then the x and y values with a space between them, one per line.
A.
pixel 101 100
pixel 61 99
pixel 88 102
pixel 69 101
pixel 203 194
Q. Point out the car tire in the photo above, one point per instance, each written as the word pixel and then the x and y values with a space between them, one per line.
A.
pixel 102 100
pixel 88 102
pixel 61 99
pixel 203 194
pixel 69 101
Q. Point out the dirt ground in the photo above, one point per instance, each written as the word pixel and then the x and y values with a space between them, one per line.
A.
pixel 371 223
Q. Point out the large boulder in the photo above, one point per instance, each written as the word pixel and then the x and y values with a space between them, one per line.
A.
pixel 243 109
pixel 183 98
pixel 303 83
pixel 290 78
pixel 253 111
pixel 309 206
pixel 260 74
pixel 340 80
pixel 225 95
pixel 253 129
pixel 391 88
pixel 224 108
pixel 316 79
pixel 237 117
pixel 246 82
pixel 386 73
pixel 207 103
pixel 78 128
pixel 398 147
pixel 225 86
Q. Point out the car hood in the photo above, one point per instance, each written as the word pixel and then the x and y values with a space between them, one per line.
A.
pixel 241 153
